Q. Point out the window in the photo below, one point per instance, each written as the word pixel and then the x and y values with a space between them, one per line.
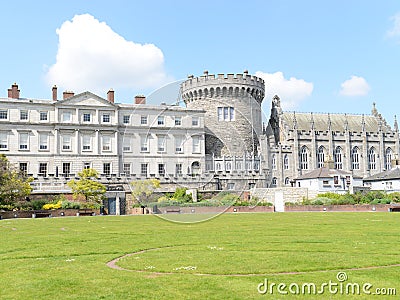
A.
pixel 86 142
pixel 338 158
pixel 43 141
pixel 371 159
pixel 23 115
pixel 273 163
pixel 274 182
pixel 43 116
pixel 3 141
pixel 355 162
pixel 179 144
pixel 86 117
pixel 388 158
pixel 178 121
pixel 231 186
pixel 226 113
pixel 126 168
pixel 126 144
pixel 178 169
pixel 106 118
pixel 23 141
pixel 195 121
pixel 143 120
pixel 143 169
pixel 196 144
pixel 287 181
pixel 160 120
pixel 107 168
pixel 161 143
pixel 144 144
pixel 3 114
pixel 161 169
pixel 23 167
pixel 126 119
pixel 304 158
pixel 66 117
pixel 325 182
pixel 286 162
pixel 86 165
pixel 43 169
pixel 321 157
pixel 106 143
pixel 66 169
pixel 66 143
pixel 336 180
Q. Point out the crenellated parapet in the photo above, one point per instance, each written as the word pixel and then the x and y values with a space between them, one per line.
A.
pixel 221 85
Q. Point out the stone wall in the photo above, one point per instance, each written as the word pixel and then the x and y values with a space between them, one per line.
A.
pixel 290 194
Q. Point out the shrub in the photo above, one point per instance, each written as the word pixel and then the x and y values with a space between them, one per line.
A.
pixel 70 205
pixel 38 204
pixel 49 206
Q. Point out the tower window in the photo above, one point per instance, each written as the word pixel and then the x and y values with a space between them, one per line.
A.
pixel 226 114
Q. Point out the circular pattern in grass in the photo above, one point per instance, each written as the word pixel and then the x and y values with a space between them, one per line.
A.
pixel 240 260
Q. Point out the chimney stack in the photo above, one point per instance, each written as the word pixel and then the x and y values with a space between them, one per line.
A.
pixel 140 99
pixel 14 91
pixel 110 95
pixel 67 94
pixel 54 89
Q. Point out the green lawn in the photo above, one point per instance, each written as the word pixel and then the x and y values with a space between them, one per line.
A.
pixel 224 258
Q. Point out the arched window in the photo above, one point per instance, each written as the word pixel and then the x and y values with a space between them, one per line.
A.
pixel 355 159
pixel 218 166
pixel 286 162
pixel 388 158
pixel 287 181
pixel 273 162
pixel 274 182
pixel 238 166
pixel 321 157
pixel 372 159
pixel 228 166
pixel 304 158
pixel 338 158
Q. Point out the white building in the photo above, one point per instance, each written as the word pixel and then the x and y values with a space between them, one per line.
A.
pixel 388 181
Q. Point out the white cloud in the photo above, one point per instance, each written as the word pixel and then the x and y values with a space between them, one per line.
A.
pixel 355 86
pixel 91 56
pixel 291 91
pixel 395 30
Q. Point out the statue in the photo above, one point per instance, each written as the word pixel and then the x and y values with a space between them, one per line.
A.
pixel 274 118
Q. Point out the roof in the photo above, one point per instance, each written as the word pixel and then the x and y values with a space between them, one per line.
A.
pixel 385 175
pixel 323 173
pixel 338 122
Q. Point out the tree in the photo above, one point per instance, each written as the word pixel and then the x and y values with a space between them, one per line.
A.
pixel 88 186
pixel 143 189
pixel 14 185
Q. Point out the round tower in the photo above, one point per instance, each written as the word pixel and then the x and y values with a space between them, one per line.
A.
pixel 232 106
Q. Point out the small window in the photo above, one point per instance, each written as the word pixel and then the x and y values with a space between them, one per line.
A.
pixel 143 120
pixel 107 168
pixel 143 169
pixel 43 169
pixel 161 169
pixel 86 165
pixel 23 115
pixel 43 115
pixel 325 182
pixel 86 143
pixel 178 121
pixel 106 118
pixel 179 144
pixel 106 143
pixel 196 144
pixel 66 143
pixel 3 141
pixel 3 114
pixel 67 117
pixel 195 121
pixel 160 120
pixel 23 141
pixel 127 119
pixel 178 169
pixel 66 169
pixel 126 146
pixel 127 168
pixel 231 186
pixel 335 180
pixel 161 143
pixel 43 141
pixel 144 144
pixel 86 117
pixel 23 167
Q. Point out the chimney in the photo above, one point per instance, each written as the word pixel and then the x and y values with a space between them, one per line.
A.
pixel 140 99
pixel 110 95
pixel 67 94
pixel 14 91
pixel 54 89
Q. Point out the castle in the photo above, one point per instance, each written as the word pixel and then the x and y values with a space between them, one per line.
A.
pixel 217 142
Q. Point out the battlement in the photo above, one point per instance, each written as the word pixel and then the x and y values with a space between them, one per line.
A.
pixel 221 85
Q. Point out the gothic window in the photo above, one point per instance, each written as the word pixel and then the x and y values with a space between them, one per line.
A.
pixel 286 162
pixel 388 158
pixel 273 162
pixel 287 181
pixel 274 182
pixel 338 158
pixel 321 157
pixel 372 159
pixel 304 158
pixel 355 159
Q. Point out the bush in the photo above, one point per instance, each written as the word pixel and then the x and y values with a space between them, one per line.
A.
pixel 37 204
pixel 49 206
pixel 70 205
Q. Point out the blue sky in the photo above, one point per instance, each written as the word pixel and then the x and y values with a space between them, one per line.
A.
pixel 320 56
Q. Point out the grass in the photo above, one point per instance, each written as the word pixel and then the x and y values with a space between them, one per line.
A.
pixel 66 258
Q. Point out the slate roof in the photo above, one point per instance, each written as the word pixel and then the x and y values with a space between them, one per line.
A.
pixel 323 173
pixel 385 175
pixel 337 121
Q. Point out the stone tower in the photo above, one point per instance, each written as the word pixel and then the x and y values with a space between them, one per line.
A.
pixel 232 106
